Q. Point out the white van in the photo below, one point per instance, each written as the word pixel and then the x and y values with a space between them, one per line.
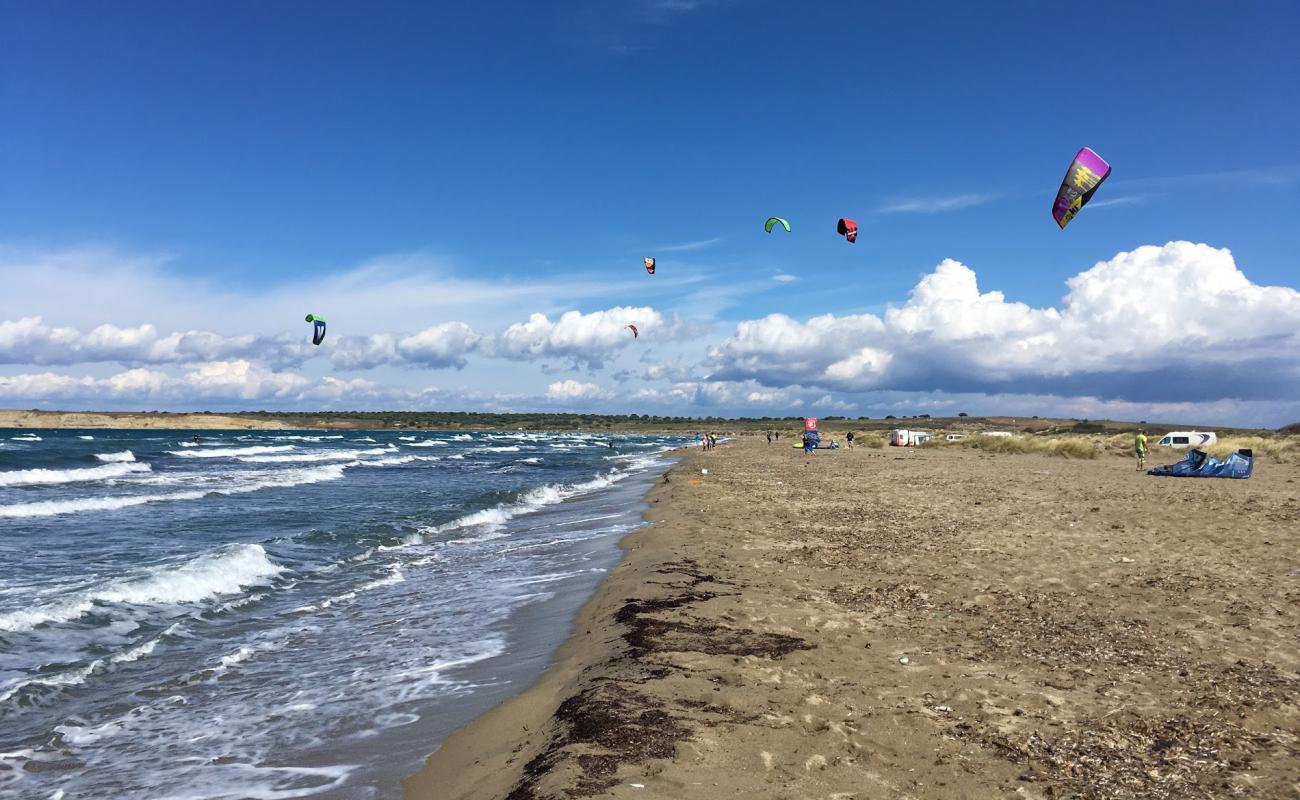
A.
pixel 1184 439
pixel 954 437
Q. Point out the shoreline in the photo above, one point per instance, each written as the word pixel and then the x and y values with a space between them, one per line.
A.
pixel 896 623
pixel 484 758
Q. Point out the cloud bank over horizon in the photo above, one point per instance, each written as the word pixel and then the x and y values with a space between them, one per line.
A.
pixel 1174 331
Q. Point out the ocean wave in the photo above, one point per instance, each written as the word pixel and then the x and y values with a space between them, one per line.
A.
pixel 533 460
pixel 462 437
pixel 275 480
pixel 508 449
pixel 27 437
pixel 75 677
pixel 296 438
pixel 46 477
pixel 491 519
pixel 223 571
pixel 87 438
pixel 428 443
pixel 318 455
pixel 116 458
pixel 231 452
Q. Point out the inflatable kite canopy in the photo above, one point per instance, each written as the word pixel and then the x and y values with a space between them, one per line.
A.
pixel 1086 174
pixel 318 328
pixel 772 222
pixel 847 228
pixel 649 265
pixel 635 333
pixel 1199 464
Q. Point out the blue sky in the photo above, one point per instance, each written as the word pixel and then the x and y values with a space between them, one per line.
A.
pixel 220 158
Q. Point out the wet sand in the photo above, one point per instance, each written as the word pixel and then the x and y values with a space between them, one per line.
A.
pixel 920 624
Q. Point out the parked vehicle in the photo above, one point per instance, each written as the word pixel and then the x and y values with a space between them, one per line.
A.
pixel 1182 440
pixel 954 437
pixel 901 437
pixel 998 434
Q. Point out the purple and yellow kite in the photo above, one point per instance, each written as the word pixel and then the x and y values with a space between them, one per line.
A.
pixel 1087 172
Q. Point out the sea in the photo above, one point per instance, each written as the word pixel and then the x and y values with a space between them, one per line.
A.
pixel 282 614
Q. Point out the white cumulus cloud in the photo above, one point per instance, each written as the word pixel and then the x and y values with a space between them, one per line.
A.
pixel 582 338
pixel 1159 323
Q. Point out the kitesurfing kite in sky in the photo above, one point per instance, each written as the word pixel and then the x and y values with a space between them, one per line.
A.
pixel 318 329
pixel 772 223
pixel 635 333
pixel 1086 173
pixel 650 265
pixel 847 228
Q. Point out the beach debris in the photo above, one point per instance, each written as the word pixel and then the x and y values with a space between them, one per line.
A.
pixel 637 785
pixel 904 661
pixel 704 471
pixel 943 709
pixel 1085 176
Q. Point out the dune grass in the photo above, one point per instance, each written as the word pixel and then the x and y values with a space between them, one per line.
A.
pixel 1065 446
pixel 1279 447
pixel 1283 449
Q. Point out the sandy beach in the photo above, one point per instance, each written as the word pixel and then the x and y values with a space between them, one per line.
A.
pixel 934 623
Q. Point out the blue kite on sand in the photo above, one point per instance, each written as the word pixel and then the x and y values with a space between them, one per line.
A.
pixel 1199 464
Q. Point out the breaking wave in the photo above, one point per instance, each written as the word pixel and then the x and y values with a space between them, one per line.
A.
pixel 223 571
pixel 46 477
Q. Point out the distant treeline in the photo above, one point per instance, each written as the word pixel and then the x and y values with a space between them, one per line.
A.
pixel 652 422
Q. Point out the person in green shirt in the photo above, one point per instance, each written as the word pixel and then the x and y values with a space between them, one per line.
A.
pixel 1140 445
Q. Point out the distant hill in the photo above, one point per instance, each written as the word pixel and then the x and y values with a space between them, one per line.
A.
pixel 1293 428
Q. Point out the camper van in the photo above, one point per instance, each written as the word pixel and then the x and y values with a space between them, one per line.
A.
pixel 901 437
pixel 1182 440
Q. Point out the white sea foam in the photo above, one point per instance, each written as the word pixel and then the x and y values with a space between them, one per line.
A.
pixel 406 438
pixel 43 477
pixel 428 443
pixel 302 438
pixel 27 437
pixel 510 449
pixel 253 483
pixel 231 452
pixel 491 519
pixel 113 458
pixel 222 571
pixel 533 460
pixel 87 438
pixel 462 437
pixel 318 455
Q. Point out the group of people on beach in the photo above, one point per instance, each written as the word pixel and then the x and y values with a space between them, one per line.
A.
pixel 707 440
pixel 776 435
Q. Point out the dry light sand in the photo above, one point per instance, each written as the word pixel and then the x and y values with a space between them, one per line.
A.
pixel 920 624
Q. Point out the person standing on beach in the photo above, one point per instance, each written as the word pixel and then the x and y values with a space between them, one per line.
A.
pixel 1140 445
pixel 769 437
pixel 849 436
